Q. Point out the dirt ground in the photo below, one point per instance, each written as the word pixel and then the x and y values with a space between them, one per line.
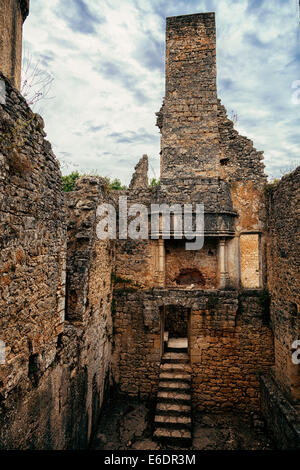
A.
pixel 128 424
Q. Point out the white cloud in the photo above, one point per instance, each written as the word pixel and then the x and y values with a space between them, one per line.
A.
pixel 109 76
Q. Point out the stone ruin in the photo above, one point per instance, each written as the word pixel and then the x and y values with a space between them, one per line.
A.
pixel 80 315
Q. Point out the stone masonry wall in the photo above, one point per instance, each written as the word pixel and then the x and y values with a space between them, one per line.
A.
pixel 12 15
pixel 281 416
pixel 230 343
pixel 242 166
pixel 137 345
pixel 136 261
pixel 203 158
pixel 57 368
pixel 189 114
pixel 33 239
pixel 280 387
pixel 284 277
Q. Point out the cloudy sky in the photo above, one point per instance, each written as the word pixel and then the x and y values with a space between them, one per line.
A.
pixel 107 60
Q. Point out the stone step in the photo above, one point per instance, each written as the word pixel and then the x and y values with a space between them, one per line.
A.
pixel 174 376
pixel 177 350
pixel 180 386
pixel 178 343
pixel 170 397
pixel 173 409
pixel 180 437
pixel 175 358
pixel 174 422
pixel 169 367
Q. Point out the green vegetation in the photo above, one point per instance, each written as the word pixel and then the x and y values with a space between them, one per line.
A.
pixel 154 182
pixel 115 184
pixel 125 285
pixel 119 280
pixel 68 181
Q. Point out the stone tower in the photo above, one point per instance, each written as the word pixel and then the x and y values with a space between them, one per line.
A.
pixel 190 134
pixel 12 16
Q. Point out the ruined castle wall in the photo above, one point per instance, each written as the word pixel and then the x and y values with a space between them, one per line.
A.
pixel 32 246
pixel 240 161
pixel 281 415
pixel 230 343
pixel 136 261
pixel 89 259
pixel 284 278
pixel 137 344
pixel 90 262
pixel 241 165
pixel 59 408
pixel 57 367
pixel 11 25
pixel 203 158
pixel 189 113
pixel 280 388
pixel 32 242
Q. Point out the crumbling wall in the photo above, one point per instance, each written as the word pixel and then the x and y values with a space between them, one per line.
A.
pixel 56 370
pixel 280 388
pixel 33 239
pixel 136 260
pixel 284 277
pixel 140 176
pixel 242 167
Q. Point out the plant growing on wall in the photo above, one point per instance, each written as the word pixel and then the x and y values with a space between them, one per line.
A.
pixel 154 182
pixel 69 181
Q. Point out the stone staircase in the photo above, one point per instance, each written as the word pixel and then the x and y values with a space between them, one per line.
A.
pixel 173 423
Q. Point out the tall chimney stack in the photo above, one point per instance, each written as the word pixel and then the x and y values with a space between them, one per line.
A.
pixel 188 118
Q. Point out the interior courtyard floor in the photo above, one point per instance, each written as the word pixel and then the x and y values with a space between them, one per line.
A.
pixel 127 424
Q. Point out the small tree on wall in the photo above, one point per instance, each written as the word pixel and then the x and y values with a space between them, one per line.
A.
pixel 36 82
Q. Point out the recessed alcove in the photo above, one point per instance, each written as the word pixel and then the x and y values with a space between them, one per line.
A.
pixel 191 268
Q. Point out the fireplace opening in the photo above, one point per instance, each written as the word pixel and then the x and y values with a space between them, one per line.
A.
pixel 191 269
pixel 188 276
